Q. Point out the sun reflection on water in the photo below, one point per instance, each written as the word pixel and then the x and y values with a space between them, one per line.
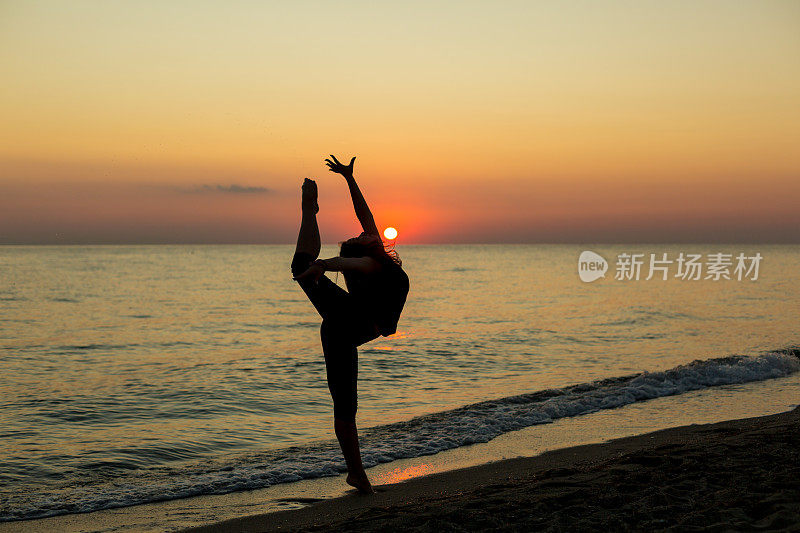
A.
pixel 401 474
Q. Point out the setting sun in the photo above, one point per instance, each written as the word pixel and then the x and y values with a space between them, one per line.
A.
pixel 390 233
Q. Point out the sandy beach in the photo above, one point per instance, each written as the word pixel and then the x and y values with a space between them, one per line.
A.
pixel 734 475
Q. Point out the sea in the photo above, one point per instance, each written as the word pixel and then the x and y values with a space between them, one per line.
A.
pixel 138 374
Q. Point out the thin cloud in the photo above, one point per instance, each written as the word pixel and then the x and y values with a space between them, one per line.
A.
pixel 231 189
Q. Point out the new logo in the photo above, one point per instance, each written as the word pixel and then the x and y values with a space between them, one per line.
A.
pixel 591 266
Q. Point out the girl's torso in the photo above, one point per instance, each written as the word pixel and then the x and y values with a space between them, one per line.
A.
pixel 382 294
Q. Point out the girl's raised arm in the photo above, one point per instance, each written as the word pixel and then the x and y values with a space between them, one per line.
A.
pixel 359 204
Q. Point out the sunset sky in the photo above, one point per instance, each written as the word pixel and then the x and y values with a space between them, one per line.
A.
pixel 151 122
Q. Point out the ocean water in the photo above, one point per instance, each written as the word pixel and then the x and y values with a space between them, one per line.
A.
pixel 133 374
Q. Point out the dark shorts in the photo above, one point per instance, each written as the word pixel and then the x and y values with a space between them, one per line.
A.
pixel 345 326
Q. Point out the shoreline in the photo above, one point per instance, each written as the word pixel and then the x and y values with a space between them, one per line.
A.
pixel 705 406
pixel 739 474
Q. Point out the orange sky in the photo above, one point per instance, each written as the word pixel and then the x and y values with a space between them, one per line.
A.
pixel 472 121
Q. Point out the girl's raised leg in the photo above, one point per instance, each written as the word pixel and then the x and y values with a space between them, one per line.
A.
pixel 308 240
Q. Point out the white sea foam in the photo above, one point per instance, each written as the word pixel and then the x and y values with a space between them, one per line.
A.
pixel 423 435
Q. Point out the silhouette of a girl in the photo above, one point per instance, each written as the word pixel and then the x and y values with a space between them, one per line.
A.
pixel 376 292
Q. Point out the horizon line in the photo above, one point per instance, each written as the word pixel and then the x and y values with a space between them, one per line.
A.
pixel 477 243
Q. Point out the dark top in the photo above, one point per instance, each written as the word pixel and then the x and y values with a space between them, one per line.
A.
pixel 382 294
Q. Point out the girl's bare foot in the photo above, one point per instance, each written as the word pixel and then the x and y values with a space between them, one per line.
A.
pixel 361 483
pixel 309 189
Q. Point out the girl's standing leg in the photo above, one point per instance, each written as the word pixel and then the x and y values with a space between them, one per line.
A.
pixel 347 434
pixel 341 364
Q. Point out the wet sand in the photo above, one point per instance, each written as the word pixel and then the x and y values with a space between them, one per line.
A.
pixel 734 475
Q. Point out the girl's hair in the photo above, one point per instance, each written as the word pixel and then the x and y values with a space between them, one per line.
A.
pixel 376 250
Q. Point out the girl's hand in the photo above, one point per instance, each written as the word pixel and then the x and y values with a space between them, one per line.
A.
pixel 336 166
pixel 313 273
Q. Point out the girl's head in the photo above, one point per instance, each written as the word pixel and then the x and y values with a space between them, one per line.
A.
pixel 368 244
